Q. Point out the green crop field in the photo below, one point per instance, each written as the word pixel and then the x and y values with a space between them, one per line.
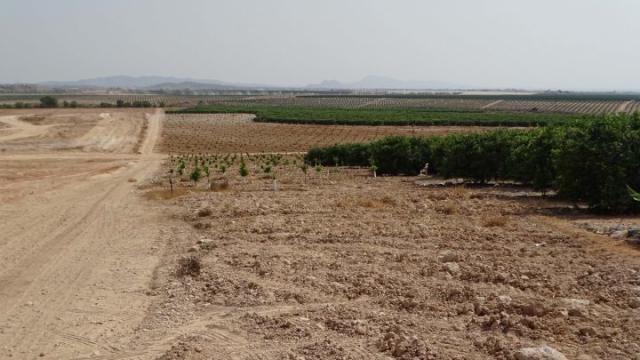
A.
pixel 391 116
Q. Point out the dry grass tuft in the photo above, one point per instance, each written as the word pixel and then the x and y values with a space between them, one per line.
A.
pixel 448 208
pixel 437 195
pixel 219 185
pixel 494 221
pixel 388 200
pixel 165 194
pixel 33 119
pixel 369 203
pixel 204 212
pixel 188 266
pixel 374 203
pixel 459 192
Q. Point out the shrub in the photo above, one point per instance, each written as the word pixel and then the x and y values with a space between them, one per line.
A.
pixel 243 168
pixel 347 154
pixel 48 102
pixel 204 212
pixel 142 104
pixel 596 161
pixel 531 160
pixel 478 157
pixel 188 266
pixel 400 155
pixel 196 174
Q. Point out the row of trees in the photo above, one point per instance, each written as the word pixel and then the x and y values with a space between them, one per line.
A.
pixel 593 160
pixel 52 102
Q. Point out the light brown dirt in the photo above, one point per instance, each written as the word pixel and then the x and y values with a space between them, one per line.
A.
pixel 99 260
pixel 343 266
pixel 77 130
pixel 18 129
pixel 77 249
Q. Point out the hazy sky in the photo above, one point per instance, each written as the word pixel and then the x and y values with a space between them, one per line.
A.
pixel 586 44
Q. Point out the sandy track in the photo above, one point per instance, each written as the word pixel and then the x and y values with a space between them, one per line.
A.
pixel 75 263
pixel 24 129
pixel 492 104
pixel 624 106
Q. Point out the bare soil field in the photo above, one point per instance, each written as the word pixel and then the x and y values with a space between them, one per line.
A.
pixel 340 265
pixel 100 260
pixel 81 130
pixel 236 133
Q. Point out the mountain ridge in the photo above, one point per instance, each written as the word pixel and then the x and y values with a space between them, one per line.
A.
pixel 178 83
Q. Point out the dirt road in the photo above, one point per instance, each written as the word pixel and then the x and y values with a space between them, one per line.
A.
pixel 76 260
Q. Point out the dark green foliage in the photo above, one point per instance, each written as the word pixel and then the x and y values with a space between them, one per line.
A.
pixel 71 104
pixel 243 168
pixel 48 102
pixel 138 104
pixel 478 157
pixel 144 104
pixel 195 175
pixel 634 194
pixel 400 155
pixel 597 160
pixel 347 154
pixel 531 160
pixel 594 160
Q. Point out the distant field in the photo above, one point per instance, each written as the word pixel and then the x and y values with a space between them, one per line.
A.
pixel 237 133
pixel 534 105
pixel 93 100
pixel 575 104
pixel 386 116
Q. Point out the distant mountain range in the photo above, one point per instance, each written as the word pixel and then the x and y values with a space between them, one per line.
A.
pixel 175 83
pixel 151 83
